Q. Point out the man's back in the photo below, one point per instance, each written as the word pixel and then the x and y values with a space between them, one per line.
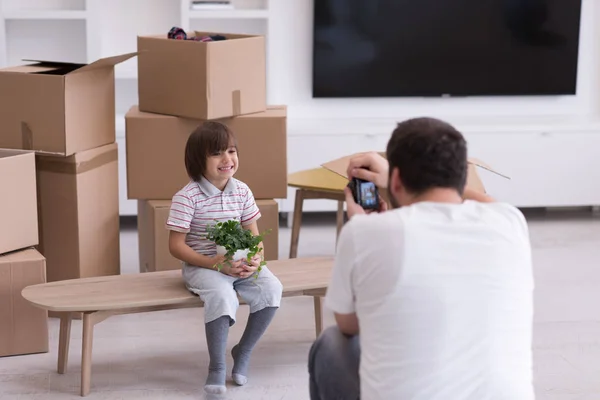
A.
pixel 443 295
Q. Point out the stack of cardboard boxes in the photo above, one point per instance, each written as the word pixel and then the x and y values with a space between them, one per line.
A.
pixel 182 83
pixel 66 114
pixel 23 327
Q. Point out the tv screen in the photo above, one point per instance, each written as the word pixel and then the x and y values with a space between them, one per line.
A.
pixel 383 48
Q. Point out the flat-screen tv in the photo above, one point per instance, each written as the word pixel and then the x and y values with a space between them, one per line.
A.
pixel 396 48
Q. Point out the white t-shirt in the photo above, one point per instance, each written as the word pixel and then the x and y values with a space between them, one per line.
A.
pixel 444 298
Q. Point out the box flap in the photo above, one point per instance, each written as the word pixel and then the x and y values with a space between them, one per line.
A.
pixel 485 166
pixel 79 162
pixel 21 256
pixel 134 112
pixel 36 68
pixel 270 112
pixel 5 153
pixel 106 62
pixel 340 165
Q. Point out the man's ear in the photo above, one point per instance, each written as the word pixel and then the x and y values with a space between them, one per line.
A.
pixel 395 183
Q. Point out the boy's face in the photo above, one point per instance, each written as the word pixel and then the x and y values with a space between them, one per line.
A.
pixel 222 165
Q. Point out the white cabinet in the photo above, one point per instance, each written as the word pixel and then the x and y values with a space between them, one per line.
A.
pixel 546 167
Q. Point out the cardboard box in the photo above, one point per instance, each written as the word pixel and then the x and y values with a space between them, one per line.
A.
pixel 79 213
pixel 59 108
pixel 23 327
pixel 202 80
pixel 340 165
pixel 156 144
pixel 18 201
pixel 154 237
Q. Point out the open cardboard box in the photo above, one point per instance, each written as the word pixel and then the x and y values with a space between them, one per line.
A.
pixel 340 165
pixel 58 107
pixel 202 80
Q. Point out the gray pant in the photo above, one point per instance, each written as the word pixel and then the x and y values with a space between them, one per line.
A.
pixel 333 366
pixel 219 292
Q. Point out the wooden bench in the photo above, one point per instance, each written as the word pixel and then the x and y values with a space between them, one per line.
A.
pixel 102 297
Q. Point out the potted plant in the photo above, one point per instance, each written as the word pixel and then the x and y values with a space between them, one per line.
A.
pixel 235 242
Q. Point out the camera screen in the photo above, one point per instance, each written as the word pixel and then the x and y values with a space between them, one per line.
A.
pixel 368 194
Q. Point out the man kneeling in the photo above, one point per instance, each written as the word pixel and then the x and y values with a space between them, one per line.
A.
pixel 439 289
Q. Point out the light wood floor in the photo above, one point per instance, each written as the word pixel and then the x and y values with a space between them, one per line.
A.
pixel 163 355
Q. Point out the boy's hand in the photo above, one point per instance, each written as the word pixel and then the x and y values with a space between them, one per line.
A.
pixel 251 266
pixel 228 266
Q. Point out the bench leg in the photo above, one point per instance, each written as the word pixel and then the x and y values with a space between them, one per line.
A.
pixel 86 353
pixel 296 223
pixel 318 314
pixel 64 339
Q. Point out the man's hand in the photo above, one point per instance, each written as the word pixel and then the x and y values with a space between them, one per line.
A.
pixel 370 167
pixel 353 209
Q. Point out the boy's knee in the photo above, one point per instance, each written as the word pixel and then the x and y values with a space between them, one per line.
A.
pixel 224 297
pixel 276 286
pixel 272 285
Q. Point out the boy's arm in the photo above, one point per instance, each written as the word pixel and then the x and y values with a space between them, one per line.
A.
pixel 253 227
pixel 180 250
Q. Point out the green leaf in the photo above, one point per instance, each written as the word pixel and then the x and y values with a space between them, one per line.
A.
pixel 233 237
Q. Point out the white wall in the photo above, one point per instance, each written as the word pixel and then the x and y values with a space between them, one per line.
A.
pixel 547 145
pixel 291 79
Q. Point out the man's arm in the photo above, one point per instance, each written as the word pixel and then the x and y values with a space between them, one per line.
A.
pixel 347 323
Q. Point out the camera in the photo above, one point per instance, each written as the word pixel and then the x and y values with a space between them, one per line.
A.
pixel 365 193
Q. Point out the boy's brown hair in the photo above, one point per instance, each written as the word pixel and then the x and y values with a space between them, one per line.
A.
pixel 429 153
pixel 209 138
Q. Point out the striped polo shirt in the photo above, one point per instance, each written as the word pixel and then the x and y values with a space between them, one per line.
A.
pixel 200 204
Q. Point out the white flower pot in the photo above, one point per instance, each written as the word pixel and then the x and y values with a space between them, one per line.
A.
pixel 238 255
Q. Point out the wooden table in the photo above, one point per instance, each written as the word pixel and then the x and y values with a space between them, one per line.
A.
pixel 317 183
pixel 102 297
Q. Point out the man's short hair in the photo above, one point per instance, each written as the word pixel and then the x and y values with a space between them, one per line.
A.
pixel 429 153
pixel 207 139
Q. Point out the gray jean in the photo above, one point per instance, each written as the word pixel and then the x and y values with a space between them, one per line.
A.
pixel 333 366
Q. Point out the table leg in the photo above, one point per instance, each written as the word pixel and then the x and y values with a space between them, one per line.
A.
pixel 339 218
pixel 64 339
pixel 86 353
pixel 318 300
pixel 296 223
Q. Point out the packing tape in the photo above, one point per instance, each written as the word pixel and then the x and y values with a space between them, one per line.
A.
pixel 26 137
pixel 236 101
pixel 61 166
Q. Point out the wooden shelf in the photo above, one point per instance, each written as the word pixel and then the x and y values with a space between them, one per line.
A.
pixel 229 14
pixel 44 14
